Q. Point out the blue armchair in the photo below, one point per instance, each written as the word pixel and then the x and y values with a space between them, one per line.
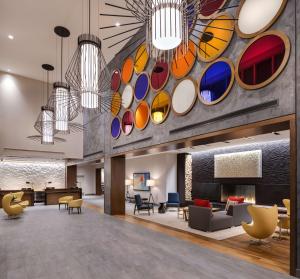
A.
pixel 173 200
pixel 140 205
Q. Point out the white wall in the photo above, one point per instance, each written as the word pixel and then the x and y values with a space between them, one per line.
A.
pixel 87 174
pixel 14 173
pixel 20 103
pixel 162 168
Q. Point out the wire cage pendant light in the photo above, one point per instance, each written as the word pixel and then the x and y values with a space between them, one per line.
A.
pixel 167 28
pixel 47 114
pixel 88 74
pixel 61 93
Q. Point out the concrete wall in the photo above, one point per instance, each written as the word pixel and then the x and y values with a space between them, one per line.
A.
pixel 162 168
pixel 86 175
pixel 20 103
pixel 202 119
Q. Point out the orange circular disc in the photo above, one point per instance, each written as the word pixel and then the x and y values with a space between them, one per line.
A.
pixel 116 103
pixel 127 70
pixel 141 115
pixel 183 60
pixel 141 59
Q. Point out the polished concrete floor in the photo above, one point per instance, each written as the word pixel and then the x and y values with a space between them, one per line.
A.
pixel 47 243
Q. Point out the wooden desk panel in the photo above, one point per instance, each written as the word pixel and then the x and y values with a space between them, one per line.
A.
pixel 52 195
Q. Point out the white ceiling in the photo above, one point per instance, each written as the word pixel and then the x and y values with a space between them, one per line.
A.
pixel 31 22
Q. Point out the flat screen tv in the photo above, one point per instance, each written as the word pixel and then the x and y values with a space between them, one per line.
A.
pixel 208 191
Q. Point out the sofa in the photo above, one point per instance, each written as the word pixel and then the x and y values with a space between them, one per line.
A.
pixel 202 218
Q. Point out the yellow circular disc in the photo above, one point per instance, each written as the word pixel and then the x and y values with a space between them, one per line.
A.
pixel 116 103
pixel 216 37
pixel 141 59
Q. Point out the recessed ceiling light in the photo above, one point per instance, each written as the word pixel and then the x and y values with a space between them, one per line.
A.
pixel 276 133
pixel 9 70
pixel 117 24
pixel 11 37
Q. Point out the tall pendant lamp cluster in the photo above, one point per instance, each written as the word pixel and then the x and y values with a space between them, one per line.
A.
pixel 87 87
pixel 87 73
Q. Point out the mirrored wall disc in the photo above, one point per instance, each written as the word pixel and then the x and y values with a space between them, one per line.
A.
pixel 141 86
pixel 127 96
pixel 115 80
pixel 141 115
pixel 183 62
pixel 160 107
pixel 216 37
pixel 159 76
pixel 184 96
pixel 127 122
pixel 216 81
pixel 256 16
pixel 210 7
pixel 116 103
pixel 127 70
pixel 115 127
pixel 141 59
pixel 262 60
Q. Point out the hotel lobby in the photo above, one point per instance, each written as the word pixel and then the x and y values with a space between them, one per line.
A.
pixel 152 139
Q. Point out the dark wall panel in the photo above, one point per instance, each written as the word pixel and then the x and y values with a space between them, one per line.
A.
pixel 276 175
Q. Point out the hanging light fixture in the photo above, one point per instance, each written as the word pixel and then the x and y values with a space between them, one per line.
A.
pixel 88 73
pixel 64 102
pixel 46 122
pixel 167 24
pixel 47 125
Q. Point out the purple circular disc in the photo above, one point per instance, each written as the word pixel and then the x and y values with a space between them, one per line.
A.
pixel 141 86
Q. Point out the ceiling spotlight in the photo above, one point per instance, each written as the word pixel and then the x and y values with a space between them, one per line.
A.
pixel 276 133
pixel 9 70
pixel 118 24
pixel 11 37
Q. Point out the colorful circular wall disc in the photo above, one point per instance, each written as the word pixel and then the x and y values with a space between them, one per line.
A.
pixel 183 61
pixel 141 87
pixel 127 70
pixel 215 38
pixel 141 59
pixel 115 80
pixel 159 76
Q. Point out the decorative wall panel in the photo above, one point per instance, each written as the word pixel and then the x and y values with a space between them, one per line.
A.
pixel 239 164
pixel 188 177
pixel 15 173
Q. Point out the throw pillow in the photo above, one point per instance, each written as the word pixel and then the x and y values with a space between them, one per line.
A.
pixel 238 199
pixel 202 203
pixel 229 203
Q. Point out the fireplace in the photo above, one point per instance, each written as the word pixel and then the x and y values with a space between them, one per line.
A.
pixel 247 191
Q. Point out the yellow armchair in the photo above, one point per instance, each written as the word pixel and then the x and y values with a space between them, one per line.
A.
pixel 284 223
pixel 264 222
pixel 11 210
pixel 64 200
pixel 75 204
pixel 18 199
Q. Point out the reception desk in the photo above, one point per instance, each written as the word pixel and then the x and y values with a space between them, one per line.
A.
pixel 28 195
pixel 52 195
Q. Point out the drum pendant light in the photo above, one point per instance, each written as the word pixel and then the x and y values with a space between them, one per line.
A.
pixel 88 73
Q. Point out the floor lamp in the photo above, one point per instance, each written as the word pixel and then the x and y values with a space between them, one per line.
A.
pixel 128 182
pixel 150 183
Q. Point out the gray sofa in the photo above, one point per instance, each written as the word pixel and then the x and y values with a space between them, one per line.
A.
pixel 202 218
